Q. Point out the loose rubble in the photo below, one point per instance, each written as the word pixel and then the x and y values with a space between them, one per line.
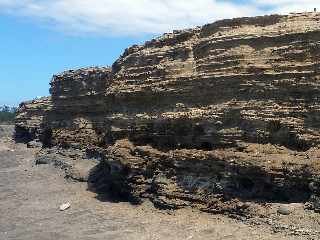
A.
pixel 64 206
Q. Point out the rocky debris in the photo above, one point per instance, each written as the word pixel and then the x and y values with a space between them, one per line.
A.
pixel 81 170
pixel 294 230
pixel 212 117
pixel 76 164
pixel 221 180
pixel 34 144
pixel 315 202
pixel 284 211
pixel 64 206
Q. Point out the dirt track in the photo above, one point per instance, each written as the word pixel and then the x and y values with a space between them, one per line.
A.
pixel 30 197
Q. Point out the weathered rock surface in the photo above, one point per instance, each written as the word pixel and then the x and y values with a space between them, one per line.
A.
pixel 211 117
pixel 30 117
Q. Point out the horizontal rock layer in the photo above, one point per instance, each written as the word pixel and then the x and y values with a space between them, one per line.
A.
pixel 232 106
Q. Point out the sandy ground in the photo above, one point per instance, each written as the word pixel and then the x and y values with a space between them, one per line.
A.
pixel 30 197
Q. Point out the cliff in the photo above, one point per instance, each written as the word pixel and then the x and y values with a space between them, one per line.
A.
pixel 211 117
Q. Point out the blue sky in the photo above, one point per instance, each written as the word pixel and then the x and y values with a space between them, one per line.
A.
pixel 43 37
pixel 31 54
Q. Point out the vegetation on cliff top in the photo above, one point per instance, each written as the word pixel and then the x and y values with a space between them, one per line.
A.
pixel 7 114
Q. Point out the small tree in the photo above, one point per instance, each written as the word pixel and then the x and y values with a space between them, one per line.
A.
pixel 7 114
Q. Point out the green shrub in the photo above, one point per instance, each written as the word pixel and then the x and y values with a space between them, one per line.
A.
pixel 7 114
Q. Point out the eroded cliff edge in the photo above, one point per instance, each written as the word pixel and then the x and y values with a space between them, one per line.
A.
pixel 212 117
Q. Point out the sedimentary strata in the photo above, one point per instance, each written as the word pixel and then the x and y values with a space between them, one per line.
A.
pixel 212 117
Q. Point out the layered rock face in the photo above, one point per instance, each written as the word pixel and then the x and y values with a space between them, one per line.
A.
pixel 30 117
pixel 210 117
pixel 78 106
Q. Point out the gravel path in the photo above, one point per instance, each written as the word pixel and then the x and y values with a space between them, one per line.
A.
pixel 30 197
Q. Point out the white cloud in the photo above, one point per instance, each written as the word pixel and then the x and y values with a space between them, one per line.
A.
pixel 127 17
pixel 288 6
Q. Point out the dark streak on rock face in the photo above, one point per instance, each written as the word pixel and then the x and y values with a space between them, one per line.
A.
pixel 210 117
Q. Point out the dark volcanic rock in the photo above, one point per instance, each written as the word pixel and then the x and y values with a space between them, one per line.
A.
pixel 210 117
